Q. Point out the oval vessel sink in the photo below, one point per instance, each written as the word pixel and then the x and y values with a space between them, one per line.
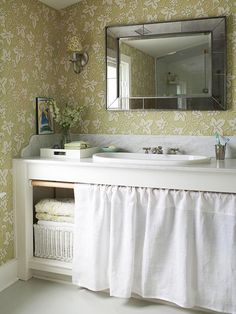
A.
pixel 150 159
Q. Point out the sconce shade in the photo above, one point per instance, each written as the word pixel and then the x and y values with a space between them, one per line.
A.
pixel 79 58
pixel 74 44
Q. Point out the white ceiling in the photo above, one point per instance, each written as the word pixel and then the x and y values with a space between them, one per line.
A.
pixel 59 4
pixel 158 47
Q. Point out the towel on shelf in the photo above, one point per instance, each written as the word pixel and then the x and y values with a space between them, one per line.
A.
pixel 58 218
pixel 48 223
pixel 57 207
pixel 77 145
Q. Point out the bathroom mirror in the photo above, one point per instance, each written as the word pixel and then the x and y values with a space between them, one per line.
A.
pixel 167 66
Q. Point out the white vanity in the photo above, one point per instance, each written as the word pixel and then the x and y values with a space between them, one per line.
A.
pixel 214 177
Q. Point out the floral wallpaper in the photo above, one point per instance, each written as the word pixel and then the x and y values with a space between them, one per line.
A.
pixel 142 71
pixel 28 67
pixel 34 62
pixel 88 18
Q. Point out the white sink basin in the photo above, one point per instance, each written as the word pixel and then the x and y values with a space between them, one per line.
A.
pixel 150 159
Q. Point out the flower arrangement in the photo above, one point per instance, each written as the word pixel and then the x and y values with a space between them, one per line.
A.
pixel 67 116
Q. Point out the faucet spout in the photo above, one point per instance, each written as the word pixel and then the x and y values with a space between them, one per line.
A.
pixel 157 150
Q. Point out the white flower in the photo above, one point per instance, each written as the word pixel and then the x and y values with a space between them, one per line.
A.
pixel 120 3
pixel 90 85
pixel 19 54
pixel 232 124
pixel 217 125
pixel 145 126
pixel 90 9
pixel 84 125
pixel 161 123
pixel 6 147
pixel 97 124
pixel 178 131
pixel 180 116
pixel 31 121
pixel 62 82
pixel 152 3
pixel 112 130
pixel 66 117
pixel 7 126
pixel 6 55
pixel 88 27
pixel 24 75
pixel 113 116
pixel 3 82
pixel 3 177
pixel 7 36
pixel 21 114
pixel 168 13
pixel 197 114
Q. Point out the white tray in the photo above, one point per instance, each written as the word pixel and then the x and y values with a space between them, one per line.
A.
pixel 68 153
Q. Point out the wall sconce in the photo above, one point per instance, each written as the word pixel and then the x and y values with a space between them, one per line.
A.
pixel 79 58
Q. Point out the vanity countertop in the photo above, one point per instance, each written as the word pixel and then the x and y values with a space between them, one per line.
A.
pixel 227 165
pixel 216 176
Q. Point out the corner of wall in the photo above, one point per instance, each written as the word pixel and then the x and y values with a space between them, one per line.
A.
pixel 8 274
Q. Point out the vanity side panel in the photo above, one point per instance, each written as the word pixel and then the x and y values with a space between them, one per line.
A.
pixel 23 209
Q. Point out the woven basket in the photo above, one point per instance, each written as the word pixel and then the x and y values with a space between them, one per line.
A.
pixel 53 242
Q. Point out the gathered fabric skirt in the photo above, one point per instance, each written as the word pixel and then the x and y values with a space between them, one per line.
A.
pixel 178 246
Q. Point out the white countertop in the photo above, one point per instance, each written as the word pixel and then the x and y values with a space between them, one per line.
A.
pixel 216 176
pixel 227 165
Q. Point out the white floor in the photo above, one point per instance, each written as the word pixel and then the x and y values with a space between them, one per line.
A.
pixel 44 297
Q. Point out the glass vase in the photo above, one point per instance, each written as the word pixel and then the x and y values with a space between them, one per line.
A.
pixel 65 137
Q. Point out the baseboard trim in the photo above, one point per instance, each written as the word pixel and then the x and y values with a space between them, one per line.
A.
pixel 8 274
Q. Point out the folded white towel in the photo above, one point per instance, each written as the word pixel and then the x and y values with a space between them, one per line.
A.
pixel 59 207
pixel 77 145
pixel 48 223
pixel 48 217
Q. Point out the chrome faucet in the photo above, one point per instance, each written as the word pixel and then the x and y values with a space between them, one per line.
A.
pixel 146 149
pixel 161 150
pixel 157 150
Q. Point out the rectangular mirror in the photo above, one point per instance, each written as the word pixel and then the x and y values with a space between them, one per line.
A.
pixel 172 65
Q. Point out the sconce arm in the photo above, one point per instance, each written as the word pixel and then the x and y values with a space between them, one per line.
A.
pixel 79 60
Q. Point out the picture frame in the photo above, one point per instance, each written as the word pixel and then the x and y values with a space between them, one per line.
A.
pixel 44 119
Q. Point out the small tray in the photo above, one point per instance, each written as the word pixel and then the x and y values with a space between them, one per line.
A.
pixel 68 153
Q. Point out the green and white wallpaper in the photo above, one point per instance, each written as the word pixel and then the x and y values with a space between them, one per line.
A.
pixel 142 71
pixel 88 18
pixel 34 62
pixel 28 68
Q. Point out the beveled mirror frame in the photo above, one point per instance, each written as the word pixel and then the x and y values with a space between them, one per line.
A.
pixel 215 25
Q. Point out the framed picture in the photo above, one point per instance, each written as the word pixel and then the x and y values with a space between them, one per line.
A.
pixel 43 116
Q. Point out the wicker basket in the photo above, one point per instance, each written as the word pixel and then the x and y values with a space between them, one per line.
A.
pixel 53 242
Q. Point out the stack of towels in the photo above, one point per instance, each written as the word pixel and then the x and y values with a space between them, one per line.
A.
pixel 53 233
pixel 55 210
pixel 77 145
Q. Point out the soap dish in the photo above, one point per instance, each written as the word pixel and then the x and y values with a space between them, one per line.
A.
pixel 110 149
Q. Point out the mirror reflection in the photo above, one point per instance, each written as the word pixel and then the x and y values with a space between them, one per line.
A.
pixel 165 67
pixel 173 65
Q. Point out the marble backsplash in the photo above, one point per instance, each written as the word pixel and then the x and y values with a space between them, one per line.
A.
pixel 191 145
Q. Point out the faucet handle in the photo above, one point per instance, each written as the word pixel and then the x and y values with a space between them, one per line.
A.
pixel 157 150
pixel 146 149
